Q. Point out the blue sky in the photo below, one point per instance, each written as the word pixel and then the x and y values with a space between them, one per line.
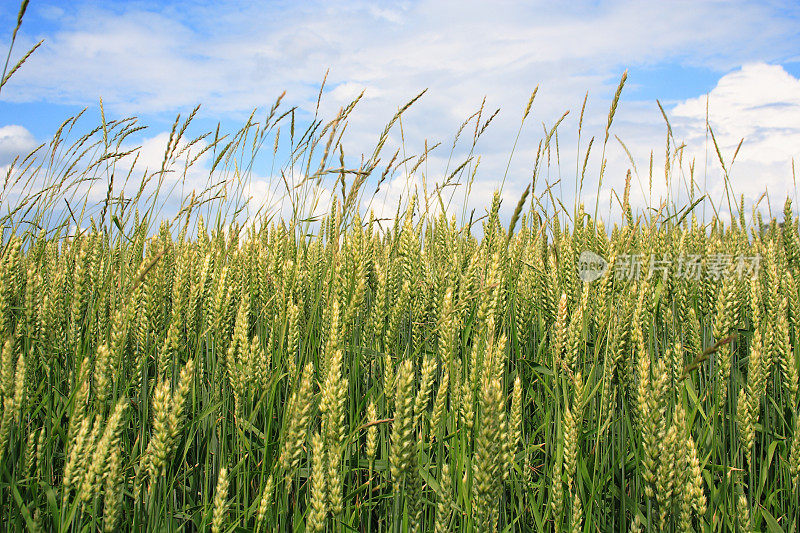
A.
pixel 157 59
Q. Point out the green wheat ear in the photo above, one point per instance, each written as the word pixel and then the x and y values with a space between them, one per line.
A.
pixel 220 501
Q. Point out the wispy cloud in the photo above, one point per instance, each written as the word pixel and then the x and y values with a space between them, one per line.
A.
pixel 147 57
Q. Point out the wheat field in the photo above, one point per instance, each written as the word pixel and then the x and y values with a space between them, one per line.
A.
pixel 227 369
pixel 418 379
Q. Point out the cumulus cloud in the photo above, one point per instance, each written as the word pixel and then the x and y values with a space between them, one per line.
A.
pixel 759 104
pixel 15 140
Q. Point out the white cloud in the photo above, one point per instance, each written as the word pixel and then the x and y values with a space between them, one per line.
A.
pixel 151 59
pixel 141 58
pixel 759 103
pixel 15 140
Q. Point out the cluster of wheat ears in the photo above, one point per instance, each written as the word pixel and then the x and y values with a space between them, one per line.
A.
pixel 340 373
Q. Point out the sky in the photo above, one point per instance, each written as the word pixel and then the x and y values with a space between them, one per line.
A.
pixel 736 60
